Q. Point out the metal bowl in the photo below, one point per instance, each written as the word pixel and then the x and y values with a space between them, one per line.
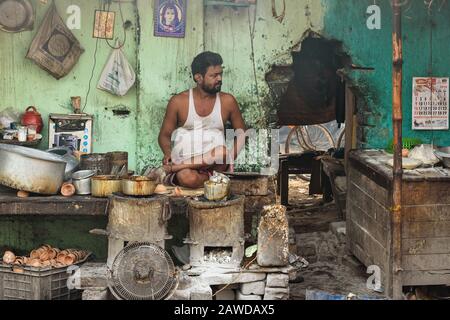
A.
pixel 31 170
pixel 443 154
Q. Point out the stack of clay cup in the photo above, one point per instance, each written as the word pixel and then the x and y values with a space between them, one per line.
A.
pixel 46 256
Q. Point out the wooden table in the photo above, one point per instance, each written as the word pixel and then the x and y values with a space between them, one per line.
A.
pixel 425 220
pixel 11 205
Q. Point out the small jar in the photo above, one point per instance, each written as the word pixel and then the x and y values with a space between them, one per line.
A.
pixel 22 134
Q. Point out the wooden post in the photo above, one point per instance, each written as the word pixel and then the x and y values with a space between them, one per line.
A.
pixel 398 166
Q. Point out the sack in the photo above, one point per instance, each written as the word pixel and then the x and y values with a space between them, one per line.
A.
pixel 118 75
pixel 54 48
pixel 8 116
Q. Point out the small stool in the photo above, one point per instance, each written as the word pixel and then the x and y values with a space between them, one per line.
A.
pixel 298 163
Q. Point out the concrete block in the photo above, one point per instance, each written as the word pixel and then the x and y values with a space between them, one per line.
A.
pixel 91 275
pixel 251 297
pixel 183 295
pixel 277 280
pixel 96 294
pixel 201 292
pixel 276 294
pixel 215 279
pixel 338 228
pixel 226 295
pixel 257 288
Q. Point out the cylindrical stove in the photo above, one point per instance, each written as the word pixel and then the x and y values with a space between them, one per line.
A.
pixel 137 219
pixel 216 232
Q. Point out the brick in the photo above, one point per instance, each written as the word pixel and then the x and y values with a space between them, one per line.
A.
pixel 257 288
pixel 214 279
pixel 277 280
pixel 226 295
pixel 276 294
pixel 181 295
pixel 91 294
pixel 240 296
pixel 201 293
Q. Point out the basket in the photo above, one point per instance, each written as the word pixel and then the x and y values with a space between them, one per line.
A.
pixel 407 143
pixel 37 283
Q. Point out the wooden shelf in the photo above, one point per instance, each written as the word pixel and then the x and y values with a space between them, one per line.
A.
pixel 22 144
pixel 225 3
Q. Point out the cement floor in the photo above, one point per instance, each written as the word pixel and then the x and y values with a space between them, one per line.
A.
pixel 332 269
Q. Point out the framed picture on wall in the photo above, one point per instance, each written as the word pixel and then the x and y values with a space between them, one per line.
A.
pixel 170 18
pixel 104 24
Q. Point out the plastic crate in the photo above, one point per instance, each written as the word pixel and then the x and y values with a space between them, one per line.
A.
pixel 36 284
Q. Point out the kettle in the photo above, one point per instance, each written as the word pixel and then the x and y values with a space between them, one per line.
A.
pixel 33 117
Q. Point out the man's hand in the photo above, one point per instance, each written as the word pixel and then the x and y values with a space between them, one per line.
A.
pixel 167 160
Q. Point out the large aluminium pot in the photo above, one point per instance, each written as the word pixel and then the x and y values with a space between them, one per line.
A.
pixel 67 156
pixel 31 170
pixel 138 186
pixel 104 186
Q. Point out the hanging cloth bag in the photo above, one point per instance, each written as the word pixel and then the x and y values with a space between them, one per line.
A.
pixel 55 48
pixel 118 76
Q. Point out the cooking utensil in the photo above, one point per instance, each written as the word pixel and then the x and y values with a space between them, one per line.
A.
pixel 443 154
pixel 217 191
pixel 31 170
pixel 96 161
pixel 69 158
pixel 138 186
pixel 82 181
pixel 104 186
pixel 16 15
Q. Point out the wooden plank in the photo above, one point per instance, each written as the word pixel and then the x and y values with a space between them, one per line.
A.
pixel 426 193
pixel 362 256
pixel 350 124
pixel 11 205
pixel 426 246
pixel 426 278
pixel 367 223
pixel 425 262
pixel 365 183
pixel 426 213
pixel 377 254
pixel 413 230
pixel 364 200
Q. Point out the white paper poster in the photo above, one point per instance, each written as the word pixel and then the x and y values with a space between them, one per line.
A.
pixel 430 104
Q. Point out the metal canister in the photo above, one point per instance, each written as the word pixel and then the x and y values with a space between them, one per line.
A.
pixel 95 161
pixel 118 160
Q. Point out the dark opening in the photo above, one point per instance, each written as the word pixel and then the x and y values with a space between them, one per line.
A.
pixel 221 255
pixel 310 91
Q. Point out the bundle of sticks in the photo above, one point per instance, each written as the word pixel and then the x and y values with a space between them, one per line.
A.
pixel 46 256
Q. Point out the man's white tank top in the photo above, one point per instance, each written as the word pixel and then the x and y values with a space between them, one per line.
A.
pixel 198 135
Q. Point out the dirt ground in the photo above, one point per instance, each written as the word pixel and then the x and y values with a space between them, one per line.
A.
pixel 332 268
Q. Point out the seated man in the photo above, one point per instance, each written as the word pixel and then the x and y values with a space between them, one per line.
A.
pixel 196 120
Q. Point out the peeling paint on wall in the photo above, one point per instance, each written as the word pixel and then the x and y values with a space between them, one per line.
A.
pixel 425 36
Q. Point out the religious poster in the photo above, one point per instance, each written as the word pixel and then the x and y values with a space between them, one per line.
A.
pixel 104 24
pixel 430 104
pixel 170 18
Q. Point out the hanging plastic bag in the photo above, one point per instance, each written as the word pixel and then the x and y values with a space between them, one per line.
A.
pixel 118 76
pixel 54 48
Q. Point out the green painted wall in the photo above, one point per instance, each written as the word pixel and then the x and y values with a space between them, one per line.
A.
pixel 22 83
pixel 163 69
pixel 164 63
pixel 345 20
pixel 162 66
